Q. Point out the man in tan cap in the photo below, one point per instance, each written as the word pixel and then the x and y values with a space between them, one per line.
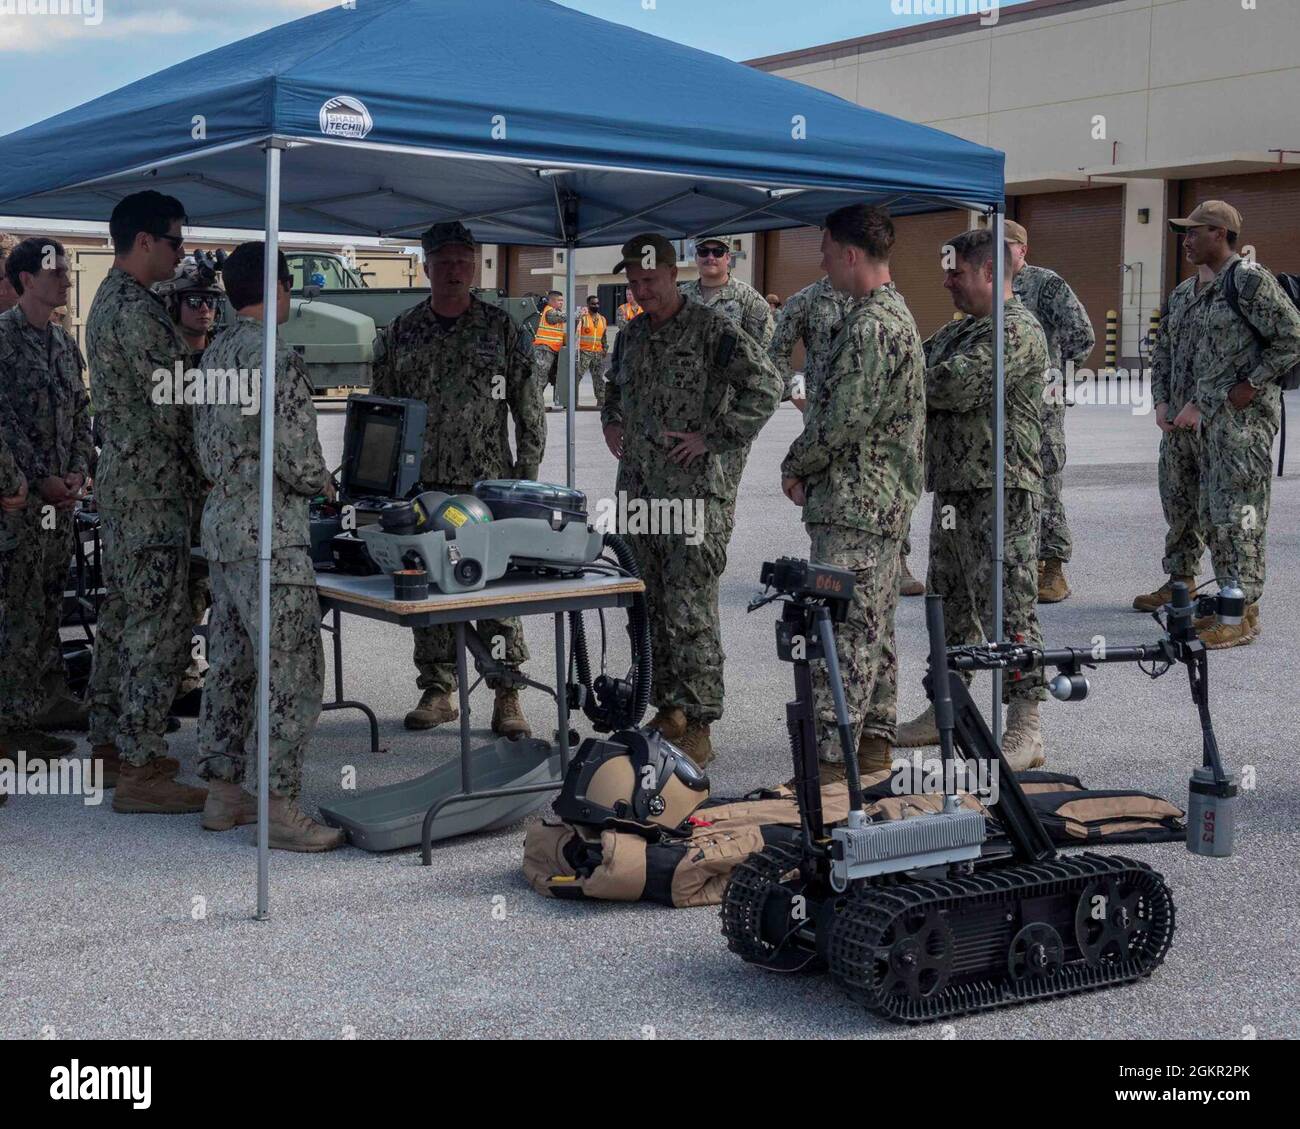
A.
pixel 1069 340
pixel 1235 359
pixel 687 389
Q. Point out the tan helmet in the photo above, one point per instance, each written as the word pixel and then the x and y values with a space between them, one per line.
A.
pixel 635 780
pixel 197 274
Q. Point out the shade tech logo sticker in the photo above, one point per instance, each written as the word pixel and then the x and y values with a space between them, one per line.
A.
pixel 343 116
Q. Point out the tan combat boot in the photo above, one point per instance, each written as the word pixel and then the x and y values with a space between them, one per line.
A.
pixel 923 730
pixel 1052 585
pixel 1220 636
pixel 34 743
pixel 228 805
pixel 671 722
pixel 1154 601
pixel 292 829
pixel 113 763
pixel 875 754
pixel 1022 744
pixel 908 585
pixel 150 789
pixel 696 744
pixel 435 707
pixel 63 712
pixel 508 716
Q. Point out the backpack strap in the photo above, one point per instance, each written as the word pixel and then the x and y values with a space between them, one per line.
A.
pixel 1232 296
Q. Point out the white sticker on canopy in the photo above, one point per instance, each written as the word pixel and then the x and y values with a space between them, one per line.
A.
pixel 343 116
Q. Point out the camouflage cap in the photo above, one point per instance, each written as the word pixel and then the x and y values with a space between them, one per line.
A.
pixel 441 234
pixel 701 240
pixel 1212 213
pixel 658 249
pixel 1012 232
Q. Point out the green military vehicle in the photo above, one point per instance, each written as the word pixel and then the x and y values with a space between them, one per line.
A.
pixel 334 316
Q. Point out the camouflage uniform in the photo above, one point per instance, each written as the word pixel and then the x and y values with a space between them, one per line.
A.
pixel 1179 466
pixel 745 307
pixel 545 359
pixel 959 384
pixel 811 316
pixel 623 314
pixel 229 448
pixel 593 364
pixel 45 425
pixel 1069 334
pixel 694 373
pixel 147 483
pixel 860 459
pixel 474 377
pixel 1237 443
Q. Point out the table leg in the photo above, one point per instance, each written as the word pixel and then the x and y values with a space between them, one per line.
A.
pixel 462 689
pixel 340 703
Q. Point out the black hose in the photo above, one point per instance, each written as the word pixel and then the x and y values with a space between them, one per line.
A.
pixel 638 629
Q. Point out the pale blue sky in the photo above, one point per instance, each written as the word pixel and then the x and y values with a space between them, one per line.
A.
pixel 52 63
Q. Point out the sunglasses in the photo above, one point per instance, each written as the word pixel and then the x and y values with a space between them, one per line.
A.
pixel 176 241
pixel 198 301
pixel 711 252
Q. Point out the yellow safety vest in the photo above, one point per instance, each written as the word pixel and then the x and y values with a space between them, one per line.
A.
pixel 591 332
pixel 552 336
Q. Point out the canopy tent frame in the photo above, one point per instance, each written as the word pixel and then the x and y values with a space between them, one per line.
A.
pixel 707 173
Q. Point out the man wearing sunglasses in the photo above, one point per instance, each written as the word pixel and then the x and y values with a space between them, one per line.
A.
pixel 746 309
pixel 147 484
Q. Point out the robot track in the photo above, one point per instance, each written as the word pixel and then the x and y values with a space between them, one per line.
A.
pixel 918 951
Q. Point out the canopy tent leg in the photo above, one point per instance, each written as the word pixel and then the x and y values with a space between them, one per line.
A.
pixel 570 412
pixel 270 289
pixel 999 448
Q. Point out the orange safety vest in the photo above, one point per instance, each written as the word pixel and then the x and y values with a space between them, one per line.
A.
pixel 591 332
pixel 630 310
pixel 552 336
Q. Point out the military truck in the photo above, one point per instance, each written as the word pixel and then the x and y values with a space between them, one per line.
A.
pixel 334 316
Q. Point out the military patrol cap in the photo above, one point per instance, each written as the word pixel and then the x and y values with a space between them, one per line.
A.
pixel 1012 232
pixel 715 239
pixel 441 234
pixel 635 250
pixel 1212 213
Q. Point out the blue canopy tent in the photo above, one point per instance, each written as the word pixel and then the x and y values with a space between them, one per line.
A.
pixel 387 117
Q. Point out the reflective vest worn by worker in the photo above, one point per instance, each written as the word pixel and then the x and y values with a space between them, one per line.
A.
pixel 627 311
pixel 591 332
pixel 552 336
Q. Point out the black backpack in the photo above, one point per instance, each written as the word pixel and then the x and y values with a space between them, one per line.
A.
pixel 1290 284
pixel 1289 380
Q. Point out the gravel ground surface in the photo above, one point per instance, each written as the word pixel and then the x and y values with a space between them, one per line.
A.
pixel 140 926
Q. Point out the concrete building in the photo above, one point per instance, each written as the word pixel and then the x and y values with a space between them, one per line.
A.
pixel 1114 115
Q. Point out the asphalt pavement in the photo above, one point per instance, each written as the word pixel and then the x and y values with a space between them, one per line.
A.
pixel 141 926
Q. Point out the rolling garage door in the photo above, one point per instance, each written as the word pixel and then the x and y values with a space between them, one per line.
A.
pixel 1080 236
pixel 1269 204
pixel 792 260
pixel 521 262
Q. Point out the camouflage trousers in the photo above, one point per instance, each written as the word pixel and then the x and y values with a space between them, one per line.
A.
pixel 961 571
pixel 545 363
pixel 1054 541
pixel 435 651
pixel 143 637
pixel 681 581
pixel 228 718
pixel 1236 481
pixel 593 365
pixel 864 642
pixel 32 577
pixel 1179 475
